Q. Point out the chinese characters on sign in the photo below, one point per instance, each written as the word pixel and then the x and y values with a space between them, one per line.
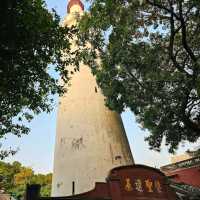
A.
pixel 138 185
pixel 149 185
pixel 146 185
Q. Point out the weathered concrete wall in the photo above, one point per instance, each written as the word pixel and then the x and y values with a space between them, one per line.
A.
pixel 90 138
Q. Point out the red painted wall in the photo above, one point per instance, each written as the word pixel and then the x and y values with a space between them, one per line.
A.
pixel 189 176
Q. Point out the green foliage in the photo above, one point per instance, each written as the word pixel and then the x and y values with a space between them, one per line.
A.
pixel 14 178
pixel 150 63
pixel 30 39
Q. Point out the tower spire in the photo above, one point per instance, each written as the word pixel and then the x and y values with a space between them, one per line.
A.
pixel 72 3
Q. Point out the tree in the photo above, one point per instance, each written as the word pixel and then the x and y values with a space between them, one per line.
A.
pixel 7 172
pixel 14 178
pixel 30 39
pixel 24 176
pixel 149 52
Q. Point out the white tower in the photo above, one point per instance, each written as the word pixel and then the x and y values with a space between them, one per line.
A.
pixel 90 138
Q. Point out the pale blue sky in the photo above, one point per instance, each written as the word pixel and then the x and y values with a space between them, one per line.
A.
pixel 37 148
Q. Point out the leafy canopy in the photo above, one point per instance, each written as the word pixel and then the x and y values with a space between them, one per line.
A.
pixel 150 63
pixel 14 178
pixel 30 39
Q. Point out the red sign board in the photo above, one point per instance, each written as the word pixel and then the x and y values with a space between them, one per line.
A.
pixel 141 181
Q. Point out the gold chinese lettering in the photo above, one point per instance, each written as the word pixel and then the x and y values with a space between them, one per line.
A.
pixel 149 185
pixel 158 186
pixel 128 187
pixel 138 185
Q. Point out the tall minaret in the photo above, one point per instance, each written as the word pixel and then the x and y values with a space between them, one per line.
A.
pixel 90 138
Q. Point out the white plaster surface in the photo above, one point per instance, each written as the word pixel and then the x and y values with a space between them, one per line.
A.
pixel 90 138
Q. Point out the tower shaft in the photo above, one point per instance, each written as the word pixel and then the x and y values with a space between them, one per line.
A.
pixel 90 138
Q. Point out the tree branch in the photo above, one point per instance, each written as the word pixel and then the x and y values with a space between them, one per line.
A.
pixel 171 45
pixel 153 3
pixel 186 118
pixel 184 35
pixel 134 78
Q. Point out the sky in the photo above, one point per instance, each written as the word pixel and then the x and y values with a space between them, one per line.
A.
pixel 36 150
